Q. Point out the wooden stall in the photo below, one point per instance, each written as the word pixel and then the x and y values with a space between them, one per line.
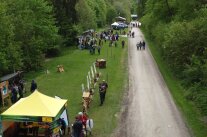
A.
pixel 6 82
pixel 101 63
pixel 35 115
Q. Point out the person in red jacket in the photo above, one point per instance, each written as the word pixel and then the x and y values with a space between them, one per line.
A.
pixel 83 118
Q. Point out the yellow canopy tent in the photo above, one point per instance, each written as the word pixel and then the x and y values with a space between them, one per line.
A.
pixel 35 108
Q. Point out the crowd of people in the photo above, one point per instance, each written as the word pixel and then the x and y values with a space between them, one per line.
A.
pixel 16 88
pixel 82 125
pixel 94 41
pixel 131 34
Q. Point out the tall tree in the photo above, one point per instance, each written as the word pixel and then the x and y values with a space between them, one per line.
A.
pixel 99 9
pixel 86 16
pixel 34 28
pixel 66 17
pixel 10 52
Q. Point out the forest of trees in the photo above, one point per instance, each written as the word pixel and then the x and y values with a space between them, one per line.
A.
pixel 31 30
pixel 179 30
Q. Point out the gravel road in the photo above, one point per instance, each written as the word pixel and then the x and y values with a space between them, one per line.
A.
pixel 149 108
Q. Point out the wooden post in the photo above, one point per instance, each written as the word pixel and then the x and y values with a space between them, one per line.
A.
pixel 94 66
pixel 89 77
pixel 82 87
pixel 88 85
pixel 92 72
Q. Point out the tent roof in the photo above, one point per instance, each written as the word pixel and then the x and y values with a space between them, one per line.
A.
pixel 121 18
pixel 134 15
pixel 37 104
pixel 9 76
pixel 115 24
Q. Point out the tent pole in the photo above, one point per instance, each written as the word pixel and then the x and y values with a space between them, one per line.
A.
pixel 68 121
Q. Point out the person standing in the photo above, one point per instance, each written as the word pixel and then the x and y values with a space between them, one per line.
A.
pixel 33 86
pixel 14 93
pixel 99 49
pixel 123 43
pixel 63 125
pixel 77 127
pixel 20 90
pixel 35 129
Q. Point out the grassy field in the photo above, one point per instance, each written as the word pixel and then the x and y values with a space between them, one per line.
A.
pixel 190 114
pixel 67 85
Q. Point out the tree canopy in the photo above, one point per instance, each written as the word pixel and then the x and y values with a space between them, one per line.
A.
pixel 34 29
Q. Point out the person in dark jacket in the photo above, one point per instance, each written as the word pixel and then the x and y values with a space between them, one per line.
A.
pixel 63 125
pixel 102 91
pixel 14 93
pixel 143 45
pixel 123 43
pixel 77 127
pixel 33 86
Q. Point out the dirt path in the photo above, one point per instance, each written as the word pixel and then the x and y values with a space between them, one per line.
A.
pixel 149 107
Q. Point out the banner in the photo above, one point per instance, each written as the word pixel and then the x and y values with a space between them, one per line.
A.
pixel 4 88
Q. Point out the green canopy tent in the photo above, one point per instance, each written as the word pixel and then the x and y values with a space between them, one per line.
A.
pixel 35 108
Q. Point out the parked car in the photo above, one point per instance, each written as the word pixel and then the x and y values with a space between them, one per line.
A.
pixel 120 26
pixel 123 25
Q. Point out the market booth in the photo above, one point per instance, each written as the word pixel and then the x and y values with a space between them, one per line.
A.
pixel 101 63
pixel 36 113
pixel 6 82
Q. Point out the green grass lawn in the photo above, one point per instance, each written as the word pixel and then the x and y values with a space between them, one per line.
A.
pixel 67 85
pixel 190 114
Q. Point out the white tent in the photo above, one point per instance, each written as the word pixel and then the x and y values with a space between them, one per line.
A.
pixel 115 24
pixel 119 18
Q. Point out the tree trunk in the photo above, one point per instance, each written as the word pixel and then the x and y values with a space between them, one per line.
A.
pixel 168 7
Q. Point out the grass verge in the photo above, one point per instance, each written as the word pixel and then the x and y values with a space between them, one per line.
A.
pixel 67 85
pixel 187 108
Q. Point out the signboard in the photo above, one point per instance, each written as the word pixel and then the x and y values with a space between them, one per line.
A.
pixel 4 88
pixel 56 130
pixel 46 119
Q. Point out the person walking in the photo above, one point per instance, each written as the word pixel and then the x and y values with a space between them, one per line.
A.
pixel 143 45
pixel 140 45
pixel 137 45
pixel 33 86
pixel 102 91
